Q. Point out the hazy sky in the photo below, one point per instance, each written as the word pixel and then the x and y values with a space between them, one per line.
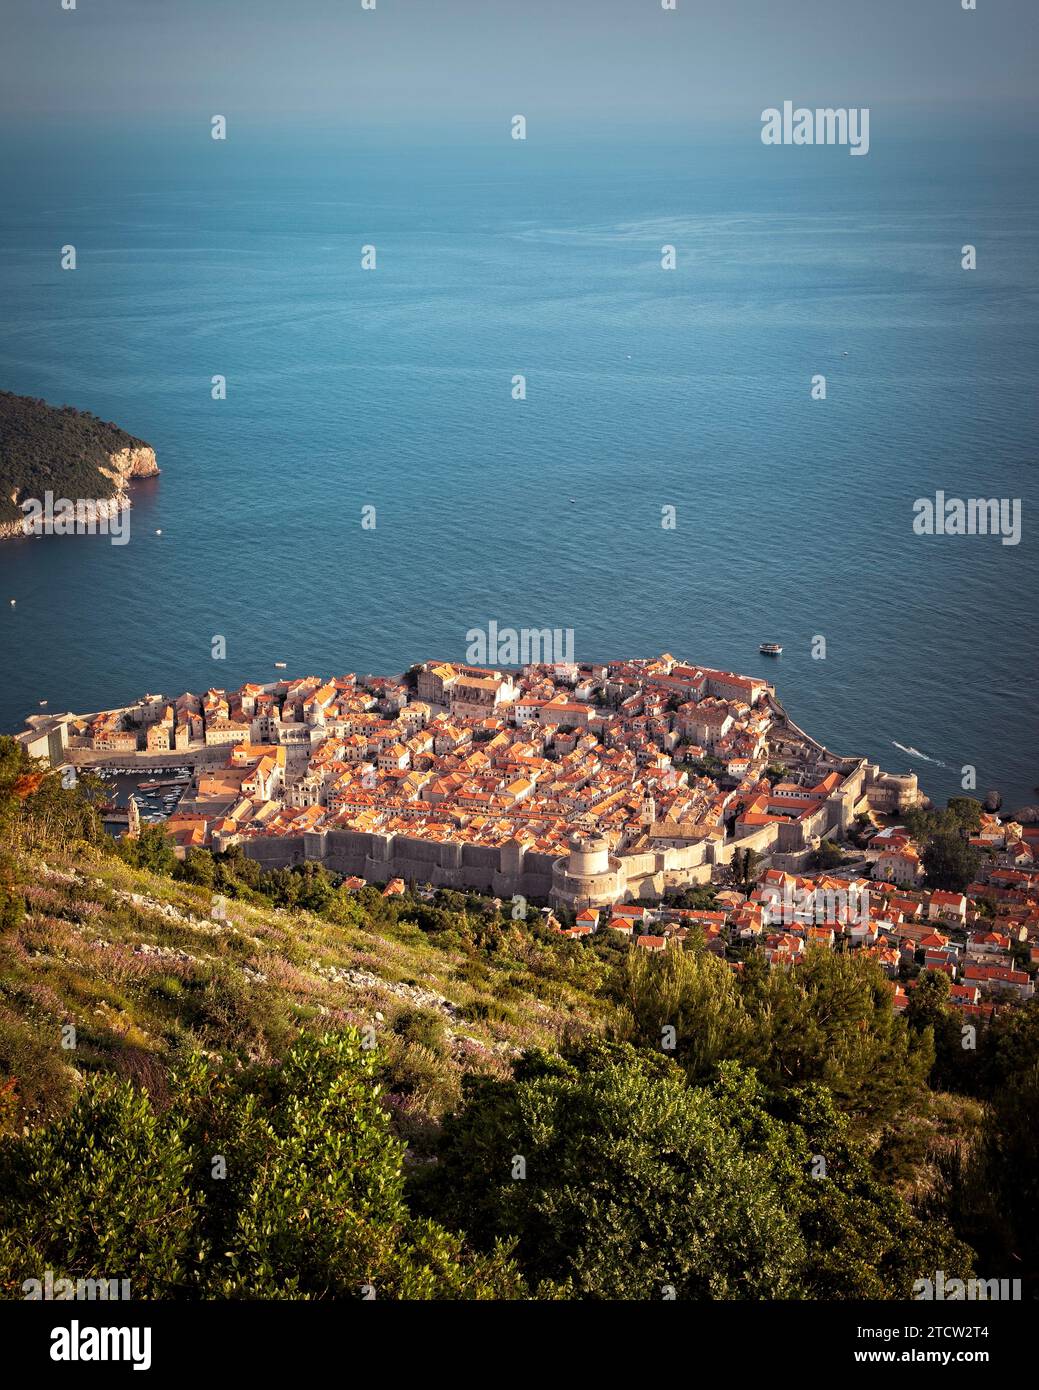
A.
pixel 556 61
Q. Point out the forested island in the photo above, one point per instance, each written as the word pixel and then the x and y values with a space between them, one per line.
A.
pixel 67 452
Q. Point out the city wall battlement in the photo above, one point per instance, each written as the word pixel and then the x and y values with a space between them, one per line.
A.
pixel 572 879
pixel 499 870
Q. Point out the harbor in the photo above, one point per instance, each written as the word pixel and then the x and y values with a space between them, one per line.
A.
pixel 156 800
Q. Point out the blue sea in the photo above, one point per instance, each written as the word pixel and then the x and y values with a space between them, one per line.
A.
pixel 646 388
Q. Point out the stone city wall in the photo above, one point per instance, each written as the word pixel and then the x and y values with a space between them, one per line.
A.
pixel 378 858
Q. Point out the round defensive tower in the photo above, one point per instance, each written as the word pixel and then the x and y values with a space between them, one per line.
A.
pixel 587 876
pixel 589 855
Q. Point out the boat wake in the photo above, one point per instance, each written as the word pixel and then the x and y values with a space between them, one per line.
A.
pixel 915 753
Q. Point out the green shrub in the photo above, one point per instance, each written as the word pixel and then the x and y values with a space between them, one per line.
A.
pixel 263 1182
pixel 488 1011
pixel 421 1026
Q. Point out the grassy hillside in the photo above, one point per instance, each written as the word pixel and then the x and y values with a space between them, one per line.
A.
pixel 44 447
pixel 142 970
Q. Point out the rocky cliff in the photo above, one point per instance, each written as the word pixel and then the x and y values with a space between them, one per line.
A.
pixel 135 462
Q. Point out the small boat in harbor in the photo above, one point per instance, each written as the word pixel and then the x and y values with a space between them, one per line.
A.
pixel 770 649
pixel 280 665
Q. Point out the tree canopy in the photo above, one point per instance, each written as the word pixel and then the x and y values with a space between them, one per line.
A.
pixel 60 449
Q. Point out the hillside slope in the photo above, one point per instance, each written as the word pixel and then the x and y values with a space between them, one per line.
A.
pixel 143 971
